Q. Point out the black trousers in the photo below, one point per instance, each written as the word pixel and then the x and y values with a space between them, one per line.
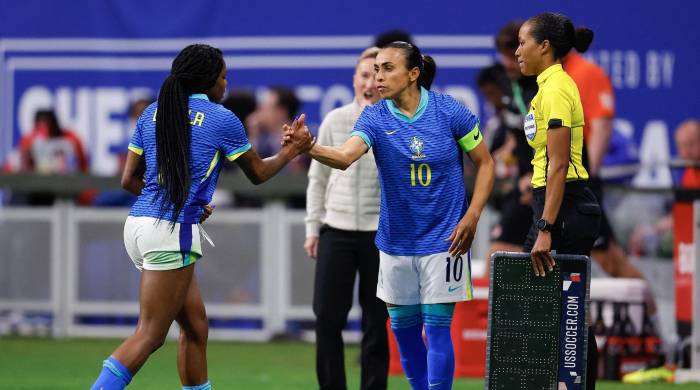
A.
pixel 341 255
pixel 574 233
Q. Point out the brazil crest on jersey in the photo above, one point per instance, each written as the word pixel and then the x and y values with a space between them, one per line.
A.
pixel 419 161
pixel 216 132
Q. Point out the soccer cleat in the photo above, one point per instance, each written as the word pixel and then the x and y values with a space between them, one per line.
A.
pixel 649 375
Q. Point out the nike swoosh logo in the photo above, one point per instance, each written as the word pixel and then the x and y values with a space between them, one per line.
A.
pixel 476 136
pixel 434 384
pixel 391 132
pixel 452 289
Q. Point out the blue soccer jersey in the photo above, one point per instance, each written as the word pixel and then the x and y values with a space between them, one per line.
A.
pixel 419 160
pixel 216 132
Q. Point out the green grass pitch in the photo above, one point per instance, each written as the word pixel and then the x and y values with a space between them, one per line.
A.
pixel 35 363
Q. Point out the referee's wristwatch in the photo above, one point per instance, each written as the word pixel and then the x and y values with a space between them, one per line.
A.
pixel 544 226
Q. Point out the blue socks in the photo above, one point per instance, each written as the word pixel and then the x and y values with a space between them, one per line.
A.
pixel 441 358
pixel 205 386
pixel 407 325
pixel 114 376
pixel 431 369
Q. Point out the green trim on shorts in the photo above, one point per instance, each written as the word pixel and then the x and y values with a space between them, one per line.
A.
pixel 167 260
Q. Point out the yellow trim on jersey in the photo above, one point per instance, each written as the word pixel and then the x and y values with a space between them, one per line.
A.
pixel 136 149
pixel 212 164
pixel 557 104
pixel 471 140
pixel 237 153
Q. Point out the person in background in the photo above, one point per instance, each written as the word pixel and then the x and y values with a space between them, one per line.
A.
pixel 510 93
pixel 279 105
pixel 342 213
pixel 520 89
pixel 50 150
pixel 646 237
pixel 598 101
pixel 243 104
pixel 687 136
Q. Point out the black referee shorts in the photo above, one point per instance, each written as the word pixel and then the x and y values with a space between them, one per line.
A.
pixel 578 222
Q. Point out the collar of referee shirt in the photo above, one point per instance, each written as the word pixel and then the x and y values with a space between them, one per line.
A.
pixel 199 96
pixel 396 112
pixel 542 77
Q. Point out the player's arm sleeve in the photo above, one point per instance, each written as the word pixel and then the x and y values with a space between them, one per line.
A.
pixel 365 125
pixel 557 106
pixel 318 183
pixel 601 97
pixel 234 140
pixel 136 142
pixel 465 127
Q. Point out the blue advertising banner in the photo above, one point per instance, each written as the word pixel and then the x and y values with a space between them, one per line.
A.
pixel 573 329
pixel 89 60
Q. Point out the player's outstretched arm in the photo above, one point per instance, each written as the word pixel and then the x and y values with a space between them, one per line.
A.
pixel 132 177
pixel 260 170
pixel 340 158
pixel 463 234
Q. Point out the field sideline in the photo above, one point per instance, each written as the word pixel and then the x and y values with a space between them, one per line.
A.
pixel 35 363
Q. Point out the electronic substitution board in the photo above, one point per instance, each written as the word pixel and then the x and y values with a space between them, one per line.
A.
pixel 537 336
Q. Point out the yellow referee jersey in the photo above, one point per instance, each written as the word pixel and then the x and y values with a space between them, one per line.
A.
pixel 557 104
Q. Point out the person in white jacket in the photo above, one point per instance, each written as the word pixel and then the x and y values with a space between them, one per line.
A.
pixel 342 213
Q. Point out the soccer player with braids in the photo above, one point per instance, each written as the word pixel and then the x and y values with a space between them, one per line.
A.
pixel 182 139
pixel 566 213
pixel 426 226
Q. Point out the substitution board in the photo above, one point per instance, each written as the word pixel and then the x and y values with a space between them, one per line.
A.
pixel 537 336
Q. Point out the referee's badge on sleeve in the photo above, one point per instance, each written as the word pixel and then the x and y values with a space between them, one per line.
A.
pixel 530 126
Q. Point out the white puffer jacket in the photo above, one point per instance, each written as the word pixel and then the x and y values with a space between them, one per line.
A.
pixel 347 200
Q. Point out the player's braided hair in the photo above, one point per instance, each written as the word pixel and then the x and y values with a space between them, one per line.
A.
pixel 414 59
pixel 560 32
pixel 194 70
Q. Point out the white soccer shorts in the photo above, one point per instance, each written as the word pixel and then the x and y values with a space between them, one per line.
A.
pixel 412 280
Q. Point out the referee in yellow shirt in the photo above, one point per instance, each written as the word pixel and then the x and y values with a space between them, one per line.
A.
pixel 566 212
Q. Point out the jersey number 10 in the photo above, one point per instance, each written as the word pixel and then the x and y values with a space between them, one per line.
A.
pixel 423 174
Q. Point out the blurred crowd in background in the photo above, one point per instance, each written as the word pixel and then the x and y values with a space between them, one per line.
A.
pixel 52 149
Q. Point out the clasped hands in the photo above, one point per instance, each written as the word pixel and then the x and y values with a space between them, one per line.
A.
pixel 298 136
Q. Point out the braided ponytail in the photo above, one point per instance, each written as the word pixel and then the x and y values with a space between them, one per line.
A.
pixel 195 69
